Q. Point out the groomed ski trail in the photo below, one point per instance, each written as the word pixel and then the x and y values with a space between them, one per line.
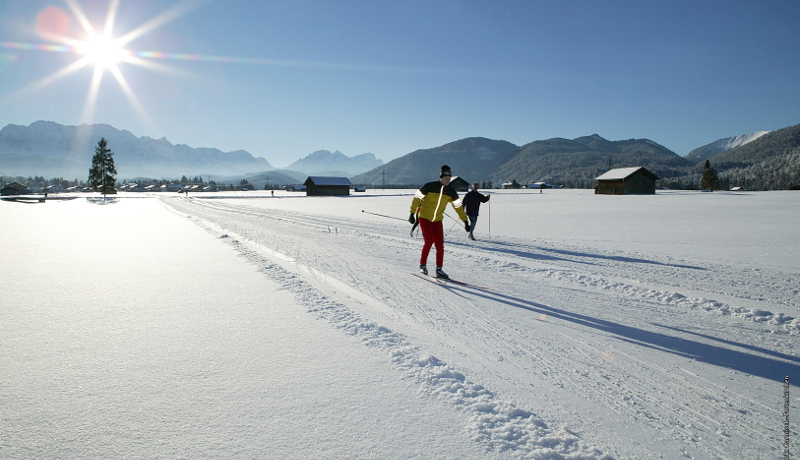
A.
pixel 577 340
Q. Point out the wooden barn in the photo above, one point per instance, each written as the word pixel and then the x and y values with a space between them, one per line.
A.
pixel 460 184
pixel 327 186
pixel 627 181
pixel 15 188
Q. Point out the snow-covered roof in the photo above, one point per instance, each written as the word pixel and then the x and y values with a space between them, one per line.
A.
pixel 328 180
pixel 622 173
pixel 17 185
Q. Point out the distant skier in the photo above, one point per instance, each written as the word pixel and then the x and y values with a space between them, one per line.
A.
pixel 472 201
pixel 427 209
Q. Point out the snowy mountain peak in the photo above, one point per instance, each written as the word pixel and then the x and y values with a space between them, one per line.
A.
pixel 48 148
pixel 323 161
pixel 722 145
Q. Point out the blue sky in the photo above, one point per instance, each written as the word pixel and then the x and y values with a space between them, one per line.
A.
pixel 391 77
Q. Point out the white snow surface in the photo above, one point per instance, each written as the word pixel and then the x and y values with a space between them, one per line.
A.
pixel 251 326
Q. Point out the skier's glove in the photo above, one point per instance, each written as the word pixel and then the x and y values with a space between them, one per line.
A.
pixel 412 219
pixel 466 225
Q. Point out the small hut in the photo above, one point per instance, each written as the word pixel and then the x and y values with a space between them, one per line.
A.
pixel 460 184
pixel 327 186
pixel 627 181
pixel 541 185
pixel 15 188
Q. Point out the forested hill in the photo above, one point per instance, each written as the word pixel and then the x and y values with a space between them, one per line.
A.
pixel 576 163
pixel 771 162
pixel 779 143
pixel 572 163
pixel 473 158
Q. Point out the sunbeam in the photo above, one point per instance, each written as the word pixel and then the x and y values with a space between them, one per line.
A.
pixel 167 16
pixel 134 101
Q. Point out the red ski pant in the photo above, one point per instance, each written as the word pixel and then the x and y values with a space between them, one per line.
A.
pixel 433 234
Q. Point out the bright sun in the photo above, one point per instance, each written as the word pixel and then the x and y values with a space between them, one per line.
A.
pixel 99 49
pixel 103 52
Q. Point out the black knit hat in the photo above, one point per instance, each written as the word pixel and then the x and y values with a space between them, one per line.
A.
pixel 445 171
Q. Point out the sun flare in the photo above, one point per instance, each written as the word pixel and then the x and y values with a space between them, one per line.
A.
pixel 99 50
pixel 103 52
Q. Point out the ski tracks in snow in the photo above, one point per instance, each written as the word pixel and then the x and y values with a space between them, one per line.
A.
pixel 582 336
pixel 498 425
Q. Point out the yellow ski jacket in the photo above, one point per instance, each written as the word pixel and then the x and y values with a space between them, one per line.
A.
pixel 431 200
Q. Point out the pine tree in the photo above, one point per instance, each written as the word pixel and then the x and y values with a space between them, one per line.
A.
pixel 102 173
pixel 709 180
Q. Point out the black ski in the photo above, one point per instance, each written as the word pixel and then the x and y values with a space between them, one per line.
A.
pixel 445 281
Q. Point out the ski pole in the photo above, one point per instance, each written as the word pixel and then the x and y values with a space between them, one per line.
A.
pixel 381 215
pixel 448 215
pixel 490 219
pixel 451 228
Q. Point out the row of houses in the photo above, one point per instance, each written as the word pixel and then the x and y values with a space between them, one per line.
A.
pixel 133 187
pixel 15 188
pixel 621 181
pixel 536 185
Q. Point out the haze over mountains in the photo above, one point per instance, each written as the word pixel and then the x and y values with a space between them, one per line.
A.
pixel 323 162
pixel 48 148
pixel 760 160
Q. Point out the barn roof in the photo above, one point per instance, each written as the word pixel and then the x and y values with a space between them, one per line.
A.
pixel 17 185
pixel 327 180
pixel 624 173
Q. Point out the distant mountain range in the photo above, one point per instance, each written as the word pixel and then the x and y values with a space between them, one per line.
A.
pixel 323 162
pixel 46 148
pixel 756 161
pixel 49 149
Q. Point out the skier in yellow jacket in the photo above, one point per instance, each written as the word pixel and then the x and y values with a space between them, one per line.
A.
pixel 427 209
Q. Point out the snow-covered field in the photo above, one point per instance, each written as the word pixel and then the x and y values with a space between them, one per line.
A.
pixel 251 326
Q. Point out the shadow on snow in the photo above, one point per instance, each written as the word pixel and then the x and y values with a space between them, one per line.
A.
pixel 574 254
pixel 761 366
